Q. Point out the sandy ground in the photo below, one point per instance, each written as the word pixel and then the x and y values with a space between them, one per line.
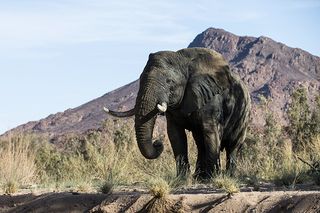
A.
pixel 188 200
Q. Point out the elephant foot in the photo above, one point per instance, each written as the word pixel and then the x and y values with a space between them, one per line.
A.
pixel 183 176
pixel 231 172
pixel 183 170
pixel 202 177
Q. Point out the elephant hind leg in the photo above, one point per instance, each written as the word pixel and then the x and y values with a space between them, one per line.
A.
pixel 232 147
pixel 231 161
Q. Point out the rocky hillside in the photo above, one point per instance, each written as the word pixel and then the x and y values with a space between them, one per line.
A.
pixel 269 68
pixel 86 117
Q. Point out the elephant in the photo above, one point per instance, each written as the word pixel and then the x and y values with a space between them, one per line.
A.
pixel 196 91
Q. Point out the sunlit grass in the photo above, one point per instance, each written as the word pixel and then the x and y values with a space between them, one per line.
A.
pixel 104 161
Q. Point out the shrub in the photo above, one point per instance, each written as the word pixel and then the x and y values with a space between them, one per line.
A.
pixel 300 119
pixel 262 155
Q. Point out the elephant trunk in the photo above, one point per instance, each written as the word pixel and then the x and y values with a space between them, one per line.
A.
pixel 145 118
pixel 148 149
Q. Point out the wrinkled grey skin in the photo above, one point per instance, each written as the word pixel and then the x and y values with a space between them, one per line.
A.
pixel 203 96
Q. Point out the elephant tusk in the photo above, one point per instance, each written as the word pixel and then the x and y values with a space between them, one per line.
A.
pixel 162 107
pixel 106 109
pixel 128 113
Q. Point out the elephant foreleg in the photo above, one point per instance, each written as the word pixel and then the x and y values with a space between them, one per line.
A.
pixel 200 171
pixel 178 140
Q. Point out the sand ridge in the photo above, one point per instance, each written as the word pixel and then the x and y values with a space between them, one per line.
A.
pixel 140 201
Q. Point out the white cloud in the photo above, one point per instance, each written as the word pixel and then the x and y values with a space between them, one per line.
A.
pixel 51 23
pixel 97 21
pixel 40 23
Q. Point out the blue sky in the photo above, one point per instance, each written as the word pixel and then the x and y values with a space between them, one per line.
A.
pixel 59 54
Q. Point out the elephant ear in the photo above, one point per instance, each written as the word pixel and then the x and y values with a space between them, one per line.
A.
pixel 202 91
pixel 208 85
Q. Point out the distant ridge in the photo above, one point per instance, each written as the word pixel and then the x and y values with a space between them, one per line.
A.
pixel 269 68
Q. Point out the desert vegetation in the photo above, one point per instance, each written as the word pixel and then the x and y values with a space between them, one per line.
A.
pixel 109 158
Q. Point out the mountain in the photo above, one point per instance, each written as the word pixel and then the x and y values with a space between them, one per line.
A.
pixel 269 68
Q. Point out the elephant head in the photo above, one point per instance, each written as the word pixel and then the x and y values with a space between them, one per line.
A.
pixel 162 85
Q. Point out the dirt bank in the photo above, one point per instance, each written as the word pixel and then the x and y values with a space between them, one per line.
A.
pixel 188 201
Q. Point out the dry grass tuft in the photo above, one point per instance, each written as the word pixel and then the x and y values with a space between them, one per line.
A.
pixel 106 188
pixel 10 187
pixel 226 183
pixel 159 188
pixel 157 205
pixel 17 164
pixel 165 204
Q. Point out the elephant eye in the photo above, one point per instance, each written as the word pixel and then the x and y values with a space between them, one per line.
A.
pixel 168 81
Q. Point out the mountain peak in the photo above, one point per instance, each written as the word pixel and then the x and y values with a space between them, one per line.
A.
pixel 259 50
